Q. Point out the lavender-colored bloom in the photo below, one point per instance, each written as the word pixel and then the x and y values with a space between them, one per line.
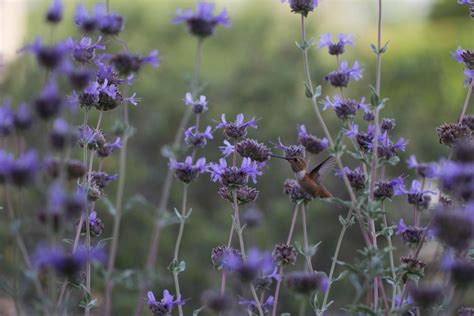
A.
pixel 388 189
pixel 457 178
pixel 250 148
pixel 108 23
pixel 451 133
pixel 187 171
pixel 23 118
pixel 227 149
pixel 462 2
pixel 363 139
pixel 165 305
pixel 234 176
pixel 252 217
pixel 55 12
pixel 416 196
pixel 6 164
pixel 192 137
pixel 386 149
pixel 425 295
pixel 410 235
pixel 387 124
pixel 6 118
pixel 56 197
pixel 245 194
pixel 256 265
pixel 25 169
pixel 295 192
pixel 344 108
pixel 337 48
pixel 454 228
pixel 310 142
pixel 83 51
pixel 75 169
pixel 87 23
pixel 49 57
pixel 302 7
pixel 340 78
pixel 61 134
pixel 426 170
pixel 251 305
pixel 356 177
pixel 109 148
pixel 284 254
pixel 202 23
pixel 127 63
pixel 93 139
pixel 101 179
pixel 96 226
pixel 292 150
pixel 49 102
pixel 368 116
pixel 220 256
pixel 307 282
pixel 198 106
pixel 238 128
pixel 216 301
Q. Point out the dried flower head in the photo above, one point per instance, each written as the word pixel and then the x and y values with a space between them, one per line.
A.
pixel 284 254
pixel 307 282
pixel 291 150
pixel 356 177
pixel 295 192
pixel 302 7
pixel 450 133
pixel 245 194
pixel 250 148
pixel 219 255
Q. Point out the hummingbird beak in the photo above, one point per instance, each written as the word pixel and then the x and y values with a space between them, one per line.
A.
pixel 281 157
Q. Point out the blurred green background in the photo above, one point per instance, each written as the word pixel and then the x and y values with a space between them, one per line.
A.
pixel 255 68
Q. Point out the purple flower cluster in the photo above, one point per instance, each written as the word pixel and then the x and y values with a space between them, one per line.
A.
pixel 338 47
pixel 203 22
pixel 340 78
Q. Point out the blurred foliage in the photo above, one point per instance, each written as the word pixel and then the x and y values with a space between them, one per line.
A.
pixel 254 68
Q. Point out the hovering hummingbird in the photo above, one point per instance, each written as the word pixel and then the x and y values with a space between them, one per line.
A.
pixel 311 181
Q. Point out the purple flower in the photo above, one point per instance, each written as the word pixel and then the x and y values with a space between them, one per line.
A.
pixel 234 176
pixel 295 192
pixel 462 2
pixel 257 264
pixel 96 226
pixel 250 148
pixel 292 150
pixel 6 118
pixel 220 255
pixel 165 305
pixel 127 63
pixel 187 171
pixel 23 118
pixel 227 149
pixel 25 169
pixel 455 228
pixel 410 235
pixel 338 47
pixel 198 106
pixel 93 139
pixel 344 108
pixel 87 23
pixel 109 148
pixel 386 149
pixel 356 177
pixel 108 23
pixel 83 51
pixel 238 128
pixel 388 189
pixel 6 164
pixel 193 137
pixel 49 57
pixel 310 142
pixel 49 103
pixel 302 6
pixel 251 305
pixel 457 178
pixel 340 78
pixel 307 282
pixel 55 12
pixel 416 196
pixel 101 179
pixel 466 57
pixel 202 23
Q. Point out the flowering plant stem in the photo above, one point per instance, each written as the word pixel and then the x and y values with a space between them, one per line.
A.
pixel 280 271
pixel 165 192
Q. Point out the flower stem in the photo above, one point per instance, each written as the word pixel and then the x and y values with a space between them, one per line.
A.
pixel 466 102
pixel 280 272
pixel 165 191
pixel 322 123
pixel 305 239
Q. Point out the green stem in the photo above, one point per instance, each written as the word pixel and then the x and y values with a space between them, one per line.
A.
pixel 165 192
pixel 309 264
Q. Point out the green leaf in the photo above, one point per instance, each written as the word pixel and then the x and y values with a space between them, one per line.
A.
pixel 167 152
pixel 177 267
pixel 374 49
pixel 317 91
pixel 109 206
pixel 197 311
pixel 285 314
pixel 384 48
pixel 393 161
pixel 307 91
pixel 340 277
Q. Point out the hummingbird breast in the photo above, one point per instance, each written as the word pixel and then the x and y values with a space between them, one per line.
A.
pixel 314 188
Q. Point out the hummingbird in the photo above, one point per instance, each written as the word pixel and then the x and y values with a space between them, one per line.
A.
pixel 310 181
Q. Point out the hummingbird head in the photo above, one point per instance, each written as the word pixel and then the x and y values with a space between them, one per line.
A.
pixel 297 164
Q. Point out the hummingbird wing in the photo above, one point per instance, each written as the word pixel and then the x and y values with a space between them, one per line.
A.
pixel 323 169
